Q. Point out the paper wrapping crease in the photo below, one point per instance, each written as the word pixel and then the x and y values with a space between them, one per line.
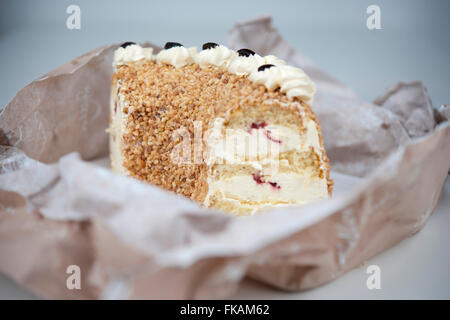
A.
pixel 130 239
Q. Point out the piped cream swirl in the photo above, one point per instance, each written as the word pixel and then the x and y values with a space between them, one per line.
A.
pixel 291 80
pixel 177 56
pixel 271 59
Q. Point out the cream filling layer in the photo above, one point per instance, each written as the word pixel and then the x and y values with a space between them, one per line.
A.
pixel 294 189
pixel 238 145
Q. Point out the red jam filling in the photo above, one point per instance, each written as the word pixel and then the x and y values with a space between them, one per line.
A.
pixel 259 180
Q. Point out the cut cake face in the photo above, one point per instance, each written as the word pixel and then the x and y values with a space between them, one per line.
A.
pixel 230 130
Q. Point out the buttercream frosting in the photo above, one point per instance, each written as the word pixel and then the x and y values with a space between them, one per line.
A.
pixel 219 56
pixel 290 80
pixel 177 56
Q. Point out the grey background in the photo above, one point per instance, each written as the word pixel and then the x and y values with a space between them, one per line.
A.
pixel 414 44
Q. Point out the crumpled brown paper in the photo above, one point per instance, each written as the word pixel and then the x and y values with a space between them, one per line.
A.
pixel 134 240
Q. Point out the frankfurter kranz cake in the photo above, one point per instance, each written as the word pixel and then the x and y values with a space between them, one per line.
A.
pixel 232 130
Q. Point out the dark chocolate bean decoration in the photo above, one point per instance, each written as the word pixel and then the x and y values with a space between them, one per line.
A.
pixel 209 45
pixel 265 66
pixel 245 52
pixel 126 44
pixel 169 45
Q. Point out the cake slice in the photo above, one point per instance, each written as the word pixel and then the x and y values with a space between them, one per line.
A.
pixel 230 130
